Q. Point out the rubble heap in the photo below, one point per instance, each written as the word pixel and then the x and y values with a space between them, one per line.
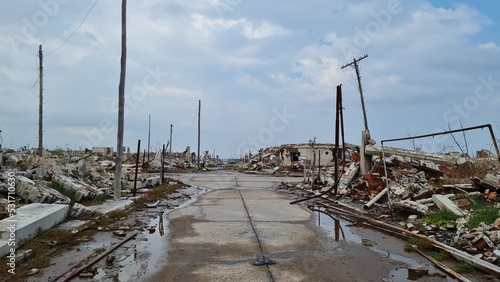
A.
pixel 409 185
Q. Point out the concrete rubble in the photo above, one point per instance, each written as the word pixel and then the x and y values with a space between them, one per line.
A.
pixel 84 175
pixel 417 184
pixel 409 183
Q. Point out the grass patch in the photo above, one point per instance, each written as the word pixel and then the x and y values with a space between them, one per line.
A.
pixel 488 215
pixel 45 246
pixel 57 152
pixel 110 220
pixel 465 268
pixel 442 218
pixel 420 243
pixel 61 188
pixel 440 256
pixel 159 192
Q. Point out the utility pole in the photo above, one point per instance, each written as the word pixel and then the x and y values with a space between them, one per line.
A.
pixel 170 149
pixel 40 111
pixel 121 104
pixel 199 119
pixel 149 134
pixel 365 162
pixel 356 67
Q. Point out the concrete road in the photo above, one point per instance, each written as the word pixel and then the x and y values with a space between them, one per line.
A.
pixel 243 220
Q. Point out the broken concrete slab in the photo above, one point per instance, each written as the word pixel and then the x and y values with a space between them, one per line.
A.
pixel 444 202
pixel 38 193
pixel 79 210
pixel 110 206
pixel 28 222
pixel 416 155
pixel 413 206
pixel 83 190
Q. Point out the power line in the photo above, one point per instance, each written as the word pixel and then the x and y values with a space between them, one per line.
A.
pixel 64 43
pixel 38 76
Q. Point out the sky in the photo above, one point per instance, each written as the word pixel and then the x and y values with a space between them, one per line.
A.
pixel 266 72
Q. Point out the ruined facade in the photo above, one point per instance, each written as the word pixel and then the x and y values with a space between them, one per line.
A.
pixel 291 153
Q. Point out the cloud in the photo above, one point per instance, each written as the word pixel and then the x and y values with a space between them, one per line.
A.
pixel 490 46
pixel 264 29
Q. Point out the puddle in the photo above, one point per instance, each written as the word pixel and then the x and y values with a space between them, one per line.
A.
pixel 143 256
pixel 340 230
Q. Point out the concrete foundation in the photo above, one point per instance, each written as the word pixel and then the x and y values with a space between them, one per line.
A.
pixel 27 223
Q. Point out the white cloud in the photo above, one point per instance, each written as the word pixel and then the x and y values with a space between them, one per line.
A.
pixel 263 30
pixel 175 92
pixel 423 60
pixel 490 46
pixel 250 30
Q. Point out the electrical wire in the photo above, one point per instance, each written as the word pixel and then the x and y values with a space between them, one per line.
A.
pixel 74 31
pixel 38 77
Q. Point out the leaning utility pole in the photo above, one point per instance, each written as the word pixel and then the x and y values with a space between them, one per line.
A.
pixel 365 163
pixel 356 67
pixel 40 111
pixel 199 119
pixel 121 104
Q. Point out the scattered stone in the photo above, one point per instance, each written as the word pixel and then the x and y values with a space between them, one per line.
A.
pixel 417 272
pixel 79 210
pixel 32 271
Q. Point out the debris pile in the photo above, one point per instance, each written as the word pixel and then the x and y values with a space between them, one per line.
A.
pixel 266 160
pixel 64 176
pixel 407 186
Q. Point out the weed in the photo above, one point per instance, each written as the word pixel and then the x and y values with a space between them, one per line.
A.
pixel 158 193
pixel 465 268
pixel 442 218
pixel 61 188
pixel 420 243
pixel 488 215
pixel 57 152
pixel 440 256
pixel 44 247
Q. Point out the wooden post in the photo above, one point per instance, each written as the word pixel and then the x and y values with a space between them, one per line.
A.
pixel 137 166
pixel 121 104
pixel 199 130
pixel 40 111
pixel 162 170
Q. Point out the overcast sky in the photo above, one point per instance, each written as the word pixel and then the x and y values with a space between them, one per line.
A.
pixel 265 71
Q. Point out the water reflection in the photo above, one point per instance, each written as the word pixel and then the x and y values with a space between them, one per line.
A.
pixel 337 228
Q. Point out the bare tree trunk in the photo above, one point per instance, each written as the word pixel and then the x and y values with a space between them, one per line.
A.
pixel 121 104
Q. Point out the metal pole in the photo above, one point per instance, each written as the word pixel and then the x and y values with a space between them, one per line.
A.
pixel 170 149
pixel 137 166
